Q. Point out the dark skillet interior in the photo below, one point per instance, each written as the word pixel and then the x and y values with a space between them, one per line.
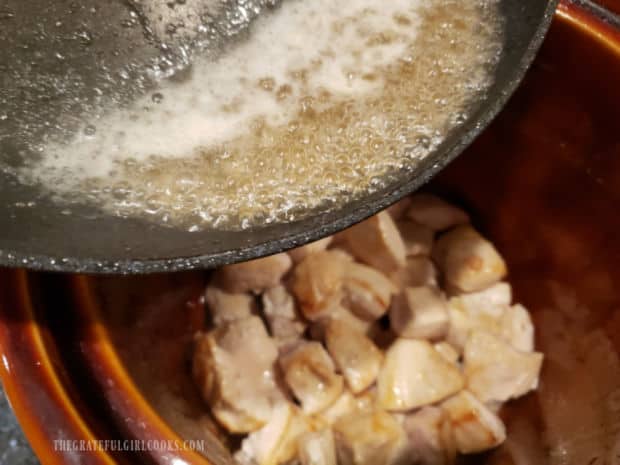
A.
pixel 45 237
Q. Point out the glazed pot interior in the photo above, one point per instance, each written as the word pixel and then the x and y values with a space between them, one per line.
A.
pixel 543 183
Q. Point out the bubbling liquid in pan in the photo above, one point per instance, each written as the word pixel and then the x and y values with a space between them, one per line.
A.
pixel 319 105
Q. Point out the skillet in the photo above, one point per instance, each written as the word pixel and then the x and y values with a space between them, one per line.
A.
pixel 78 37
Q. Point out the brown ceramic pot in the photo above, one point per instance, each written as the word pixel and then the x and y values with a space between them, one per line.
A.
pixel 105 358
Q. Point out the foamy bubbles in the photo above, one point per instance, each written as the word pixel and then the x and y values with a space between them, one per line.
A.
pixel 314 107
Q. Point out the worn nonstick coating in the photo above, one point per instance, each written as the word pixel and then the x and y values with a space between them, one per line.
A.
pixel 43 236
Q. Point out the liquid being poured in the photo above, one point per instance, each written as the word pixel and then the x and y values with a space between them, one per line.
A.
pixel 319 104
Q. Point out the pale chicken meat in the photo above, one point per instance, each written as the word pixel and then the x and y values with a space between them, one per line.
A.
pixel 482 310
pixel 447 351
pixel 491 300
pixel 255 275
pixel 277 441
pixel 285 325
pixel 395 342
pixel 399 209
pixel 300 253
pixel 435 213
pixel 420 312
pixel 429 432
pixel 418 271
pixel 345 404
pixel 496 371
pixel 317 448
pixel 346 316
pixel 317 283
pixel 377 242
pixel 468 261
pixel 475 427
pixel 367 292
pixel 517 328
pixel 369 438
pixel 239 387
pixel 418 238
pixel 310 374
pixel 414 374
pixel 224 306
pixel 355 355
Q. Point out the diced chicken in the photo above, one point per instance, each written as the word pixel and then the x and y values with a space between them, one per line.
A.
pixel 378 243
pixel 317 283
pixel 399 209
pixel 517 328
pixel 435 213
pixel 366 401
pixel 429 432
pixel 414 374
pixel 368 438
pixel 419 312
pixel 418 271
pixel 490 300
pixel 277 441
pixel 355 355
pixel 367 292
pixel 475 427
pixel 468 261
pixel 418 238
pixel 344 405
pixel 298 254
pixel 495 371
pixel 255 275
pixel 285 325
pixel 310 374
pixel 224 307
pixel 447 351
pixel 481 310
pixel 340 313
pixel 241 390
pixel 317 448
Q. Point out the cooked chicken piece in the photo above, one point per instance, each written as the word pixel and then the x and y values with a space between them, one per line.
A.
pixel 489 300
pixel 317 283
pixel 344 405
pixel 369 438
pixel 474 426
pixel 241 390
pixel 367 400
pixel 311 376
pixel 517 328
pixel 255 275
pixel 224 307
pixel 378 243
pixel 418 271
pixel 418 238
pixel 481 310
pixel 420 312
pixel 298 254
pixel 429 432
pixel 317 448
pixel 340 313
pixel 355 355
pixel 495 371
pixel 414 374
pixel 277 441
pixel 399 209
pixel 285 325
pixel 367 292
pixel 447 351
pixel 469 262
pixel 435 213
